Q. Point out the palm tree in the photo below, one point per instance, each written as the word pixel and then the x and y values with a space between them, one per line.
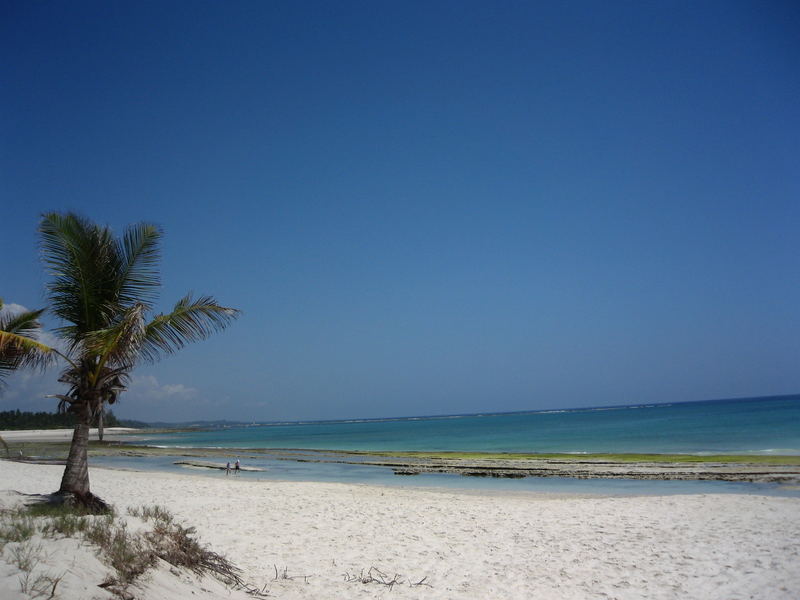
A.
pixel 18 344
pixel 102 290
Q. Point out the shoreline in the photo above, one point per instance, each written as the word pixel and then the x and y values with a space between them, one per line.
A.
pixel 463 545
pixel 49 445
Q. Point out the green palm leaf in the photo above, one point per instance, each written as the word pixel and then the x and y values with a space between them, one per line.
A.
pixel 82 259
pixel 120 344
pixel 190 321
pixel 18 347
pixel 139 254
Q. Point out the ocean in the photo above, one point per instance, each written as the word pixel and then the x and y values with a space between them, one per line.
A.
pixel 769 425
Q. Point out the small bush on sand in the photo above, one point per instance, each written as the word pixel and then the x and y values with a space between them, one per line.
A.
pixel 178 546
pixel 129 554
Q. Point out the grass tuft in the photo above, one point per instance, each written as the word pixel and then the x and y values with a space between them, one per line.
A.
pixel 148 513
pixel 16 526
pixel 129 554
pixel 26 555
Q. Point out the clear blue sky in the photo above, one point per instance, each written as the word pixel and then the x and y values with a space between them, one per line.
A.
pixel 424 207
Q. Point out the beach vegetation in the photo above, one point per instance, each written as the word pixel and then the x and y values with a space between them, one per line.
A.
pixel 39 585
pixel 177 544
pixel 26 554
pixel 16 527
pixel 66 525
pixel 130 553
pixel 103 289
pixel 148 513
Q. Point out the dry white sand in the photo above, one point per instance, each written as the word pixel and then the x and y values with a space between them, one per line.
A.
pixel 63 435
pixel 466 545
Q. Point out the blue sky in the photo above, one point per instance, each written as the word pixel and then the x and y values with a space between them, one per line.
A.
pixel 424 208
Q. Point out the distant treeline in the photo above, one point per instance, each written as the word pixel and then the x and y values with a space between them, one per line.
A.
pixel 15 419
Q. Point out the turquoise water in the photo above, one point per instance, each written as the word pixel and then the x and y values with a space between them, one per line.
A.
pixel 289 470
pixel 743 426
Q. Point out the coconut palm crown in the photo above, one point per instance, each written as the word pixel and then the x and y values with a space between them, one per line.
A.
pixel 102 289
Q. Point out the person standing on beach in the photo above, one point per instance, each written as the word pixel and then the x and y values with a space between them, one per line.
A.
pixel 228 468
pixel 236 467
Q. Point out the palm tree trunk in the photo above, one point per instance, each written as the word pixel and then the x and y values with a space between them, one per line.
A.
pixel 76 474
pixel 100 423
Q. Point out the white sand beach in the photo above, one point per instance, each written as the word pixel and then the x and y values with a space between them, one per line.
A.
pixel 63 435
pixel 464 545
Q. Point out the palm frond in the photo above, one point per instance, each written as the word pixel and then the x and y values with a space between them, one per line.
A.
pixel 83 260
pixel 18 347
pixel 190 321
pixel 139 254
pixel 119 345
pixel 18 352
pixel 25 323
pixel 11 343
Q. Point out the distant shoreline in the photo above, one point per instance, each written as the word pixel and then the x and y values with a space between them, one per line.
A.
pixel 65 435
pixel 110 434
